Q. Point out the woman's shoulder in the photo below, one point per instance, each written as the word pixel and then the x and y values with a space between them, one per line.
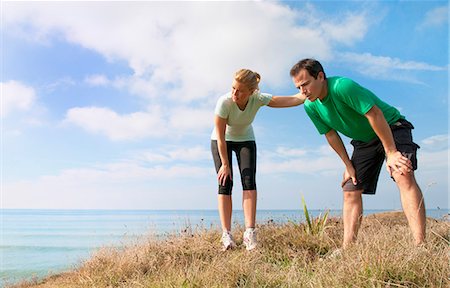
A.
pixel 225 97
pixel 262 97
pixel 225 100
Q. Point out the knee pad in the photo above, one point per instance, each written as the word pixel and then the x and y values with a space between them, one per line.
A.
pixel 226 190
pixel 248 183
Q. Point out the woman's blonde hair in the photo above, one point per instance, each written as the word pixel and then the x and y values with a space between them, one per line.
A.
pixel 248 78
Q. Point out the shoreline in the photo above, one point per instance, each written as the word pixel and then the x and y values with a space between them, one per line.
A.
pixel 208 244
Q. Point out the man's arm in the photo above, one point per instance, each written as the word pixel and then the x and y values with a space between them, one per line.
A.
pixel 336 143
pixel 395 161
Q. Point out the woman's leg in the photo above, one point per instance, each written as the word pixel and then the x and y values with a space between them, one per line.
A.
pixel 225 211
pixel 225 206
pixel 249 206
pixel 246 155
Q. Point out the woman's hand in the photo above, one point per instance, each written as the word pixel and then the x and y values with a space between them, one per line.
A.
pixel 223 174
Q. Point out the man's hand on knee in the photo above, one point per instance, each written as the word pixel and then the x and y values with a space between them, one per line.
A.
pixel 398 163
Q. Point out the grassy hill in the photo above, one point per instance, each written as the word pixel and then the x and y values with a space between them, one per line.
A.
pixel 287 256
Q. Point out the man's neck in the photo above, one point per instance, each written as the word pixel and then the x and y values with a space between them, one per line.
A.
pixel 324 92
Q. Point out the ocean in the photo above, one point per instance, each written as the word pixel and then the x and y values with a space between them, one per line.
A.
pixel 37 243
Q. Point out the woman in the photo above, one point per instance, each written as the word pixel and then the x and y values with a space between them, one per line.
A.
pixel 233 131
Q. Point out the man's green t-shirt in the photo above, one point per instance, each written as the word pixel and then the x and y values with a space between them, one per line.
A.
pixel 344 109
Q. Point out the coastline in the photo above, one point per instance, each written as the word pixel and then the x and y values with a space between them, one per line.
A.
pixel 298 244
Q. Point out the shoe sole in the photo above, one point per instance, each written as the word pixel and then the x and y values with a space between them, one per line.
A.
pixel 229 247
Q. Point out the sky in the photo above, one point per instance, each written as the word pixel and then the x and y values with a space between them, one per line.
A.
pixel 110 105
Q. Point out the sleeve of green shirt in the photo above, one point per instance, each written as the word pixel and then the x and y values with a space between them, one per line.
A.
pixel 354 95
pixel 315 118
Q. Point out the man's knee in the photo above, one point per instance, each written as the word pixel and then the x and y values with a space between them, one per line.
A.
pixel 405 180
pixel 353 196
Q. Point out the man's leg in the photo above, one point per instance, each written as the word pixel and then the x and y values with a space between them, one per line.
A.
pixel 410 193
pixel 352 215
pixel 413 204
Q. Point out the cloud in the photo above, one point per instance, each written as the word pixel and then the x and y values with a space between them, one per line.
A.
pixel 156 122
pixel 63 82
pixel 383 67
pixel 352 29
pixel 166 155
pixel 434 153
pixel 97 80
pixel 285 160
pixel 289 152
pixel 117 127
pixel 187 120
pixel 125 184
pixel 170 49
pixel 16 96
pixel 436 142
pixel 435 18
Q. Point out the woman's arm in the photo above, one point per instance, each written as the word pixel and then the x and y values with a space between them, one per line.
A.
pixel 224 171
pixel 287 101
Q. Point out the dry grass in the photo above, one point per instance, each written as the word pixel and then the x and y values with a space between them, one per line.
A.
pixel 287 257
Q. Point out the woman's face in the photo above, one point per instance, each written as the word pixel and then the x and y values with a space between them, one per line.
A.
pixel 240 93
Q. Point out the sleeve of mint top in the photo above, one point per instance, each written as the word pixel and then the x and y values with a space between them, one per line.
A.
pixel 315 118
pixel 264 98
pixel 354 95
pixel 222 107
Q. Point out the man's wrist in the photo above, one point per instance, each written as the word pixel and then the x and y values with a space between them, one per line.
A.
pixel 390 152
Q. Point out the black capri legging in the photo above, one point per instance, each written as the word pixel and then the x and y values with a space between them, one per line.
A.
pixel 246 157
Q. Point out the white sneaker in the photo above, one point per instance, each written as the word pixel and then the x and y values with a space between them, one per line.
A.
pixel 250 239
pixel 227 241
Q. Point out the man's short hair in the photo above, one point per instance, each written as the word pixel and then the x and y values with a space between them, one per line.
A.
pixel 311 65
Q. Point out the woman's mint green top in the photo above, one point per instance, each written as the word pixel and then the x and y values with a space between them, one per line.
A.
pixel 239 123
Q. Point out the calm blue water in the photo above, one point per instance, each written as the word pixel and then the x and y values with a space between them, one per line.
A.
pixel 35 243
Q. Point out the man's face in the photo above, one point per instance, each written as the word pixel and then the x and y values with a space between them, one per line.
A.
pixel 308 86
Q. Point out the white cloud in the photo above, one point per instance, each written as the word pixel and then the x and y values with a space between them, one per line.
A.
pixel 156 122
pixel 173 154
pixel 352 29
pixel 125 184
pixel 383 67
pixel 171 49
pixel 187 120
pixel 434 153
pixel 117 127
pixel 63 82
pixel 436 142
pixel 16 96
pixel 434 160
pixel 435 18
pixel 319 161
pixel 289 152
pixel 97 80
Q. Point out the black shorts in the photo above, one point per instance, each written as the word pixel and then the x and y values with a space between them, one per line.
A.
pixel 246 157
pixel 368 157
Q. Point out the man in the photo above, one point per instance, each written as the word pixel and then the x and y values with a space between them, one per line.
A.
pixel 377 130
